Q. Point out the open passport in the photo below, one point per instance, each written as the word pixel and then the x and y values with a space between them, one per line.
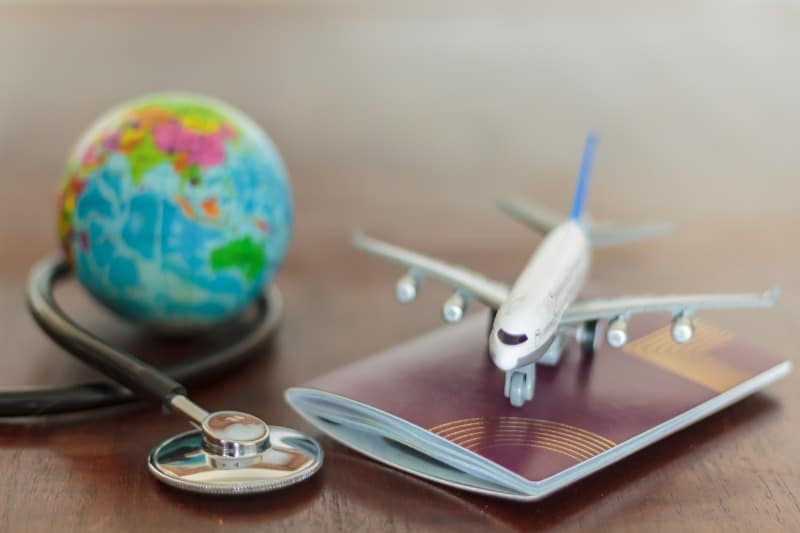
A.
pixel 434 406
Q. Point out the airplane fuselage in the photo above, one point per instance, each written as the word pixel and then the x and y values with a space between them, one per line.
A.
pixel 527 323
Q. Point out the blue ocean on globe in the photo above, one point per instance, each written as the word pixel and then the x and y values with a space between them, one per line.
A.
pixel 175 211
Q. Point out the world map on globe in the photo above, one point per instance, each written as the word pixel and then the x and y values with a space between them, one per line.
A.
pixel 175 210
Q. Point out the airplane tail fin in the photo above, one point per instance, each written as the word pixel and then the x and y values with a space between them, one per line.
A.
pixel 600 234
pixel 579 200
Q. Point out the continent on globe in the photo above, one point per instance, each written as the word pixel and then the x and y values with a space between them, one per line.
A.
pixel 175 210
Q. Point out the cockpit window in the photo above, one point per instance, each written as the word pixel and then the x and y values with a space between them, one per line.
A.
pixel 510 339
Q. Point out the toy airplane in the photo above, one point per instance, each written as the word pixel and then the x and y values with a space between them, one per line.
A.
pixel 533 318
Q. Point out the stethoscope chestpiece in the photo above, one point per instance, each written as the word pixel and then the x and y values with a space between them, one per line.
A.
pixel 231 452
pixel 233 434
pixel 235 453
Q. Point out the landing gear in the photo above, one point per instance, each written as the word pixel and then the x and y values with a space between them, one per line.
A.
pixel 588 336
pixel 519 384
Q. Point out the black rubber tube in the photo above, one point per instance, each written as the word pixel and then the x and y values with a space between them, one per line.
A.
pixel 144 381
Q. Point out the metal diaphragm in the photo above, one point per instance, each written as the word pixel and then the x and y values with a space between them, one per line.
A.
pixel 185 462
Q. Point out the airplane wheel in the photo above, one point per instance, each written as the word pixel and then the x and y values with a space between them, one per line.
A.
pixel 589 337
pixel 516 390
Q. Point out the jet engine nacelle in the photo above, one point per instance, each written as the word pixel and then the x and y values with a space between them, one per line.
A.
pixel 406 289
pixel 454 308
pixel 617 334
pixel 682 328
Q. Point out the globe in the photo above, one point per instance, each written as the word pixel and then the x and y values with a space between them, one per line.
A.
pixel 175 210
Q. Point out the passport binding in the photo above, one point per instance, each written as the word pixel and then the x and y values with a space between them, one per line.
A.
pixel 434 407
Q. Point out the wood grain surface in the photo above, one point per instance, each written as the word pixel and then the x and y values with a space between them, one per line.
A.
pixel 407 119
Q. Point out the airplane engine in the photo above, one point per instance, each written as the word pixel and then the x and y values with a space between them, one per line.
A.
pixel 682 328
pixel 454 308
pixel 617 334
pixel 406 289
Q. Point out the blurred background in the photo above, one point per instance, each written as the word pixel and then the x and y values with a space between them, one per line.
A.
pixel 408 119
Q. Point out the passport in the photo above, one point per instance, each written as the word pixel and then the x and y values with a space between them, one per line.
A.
pixel 434 406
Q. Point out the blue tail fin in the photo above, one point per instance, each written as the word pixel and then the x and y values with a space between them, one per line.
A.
pixel 583 177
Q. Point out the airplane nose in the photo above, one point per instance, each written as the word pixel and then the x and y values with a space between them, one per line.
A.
pixel 502 359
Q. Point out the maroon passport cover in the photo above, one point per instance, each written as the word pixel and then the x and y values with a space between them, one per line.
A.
pixel 586 413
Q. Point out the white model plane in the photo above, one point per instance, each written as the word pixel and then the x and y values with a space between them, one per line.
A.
pixel 541 310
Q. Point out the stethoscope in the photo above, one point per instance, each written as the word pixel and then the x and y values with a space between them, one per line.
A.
pixel 229 452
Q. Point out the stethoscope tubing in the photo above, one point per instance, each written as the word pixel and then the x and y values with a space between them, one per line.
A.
pixel 141 380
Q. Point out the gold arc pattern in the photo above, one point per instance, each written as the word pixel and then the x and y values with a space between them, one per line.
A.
pixel 520 420
pixel 481 433
pixel 496 435
pixel 693 361
pixel 511 422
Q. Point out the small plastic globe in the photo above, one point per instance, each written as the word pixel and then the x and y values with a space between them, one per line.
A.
pixel 175 210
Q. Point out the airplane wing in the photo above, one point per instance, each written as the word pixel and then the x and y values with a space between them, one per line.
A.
pixel 631 305
pixel 600 233
pixel 490 292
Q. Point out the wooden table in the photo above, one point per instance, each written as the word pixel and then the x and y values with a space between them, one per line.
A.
pixel 408 119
